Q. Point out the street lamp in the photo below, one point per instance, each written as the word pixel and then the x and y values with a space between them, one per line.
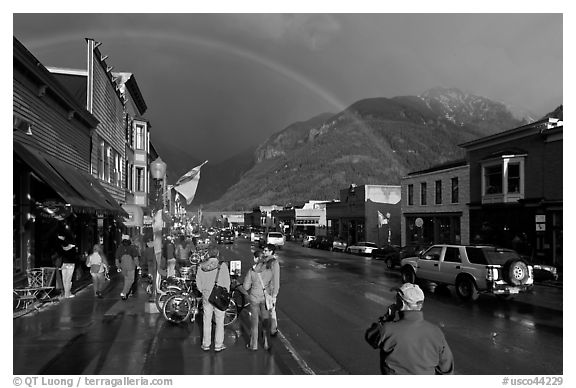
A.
pixel 158 172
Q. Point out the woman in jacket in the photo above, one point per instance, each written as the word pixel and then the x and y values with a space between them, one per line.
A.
pixel 210 272
pixel 258 281
pixel 97 263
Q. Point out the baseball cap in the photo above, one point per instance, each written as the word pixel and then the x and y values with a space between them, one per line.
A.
pixel 411 293
pixel 125 237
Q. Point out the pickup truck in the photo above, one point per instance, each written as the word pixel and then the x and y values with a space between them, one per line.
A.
pixel 472 269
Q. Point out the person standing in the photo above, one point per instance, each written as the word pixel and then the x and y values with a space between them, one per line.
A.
pixel 127 262
pixel 272 264
pixel 212 271
pixel 69 255
pixel 412 345
pixel 170 257
pixel 149 265
pixel 182 252
pixel 257 282
pixel 97 263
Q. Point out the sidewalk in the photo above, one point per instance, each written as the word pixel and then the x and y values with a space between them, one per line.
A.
pixel 86 335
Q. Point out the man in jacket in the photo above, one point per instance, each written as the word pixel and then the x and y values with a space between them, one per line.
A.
pixel 210 272
pixel 272 263
pixel 411 345
pixel 127 262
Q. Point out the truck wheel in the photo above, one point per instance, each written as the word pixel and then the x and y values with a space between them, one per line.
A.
pixel 516 272
pixel 466 289
pixel 408 275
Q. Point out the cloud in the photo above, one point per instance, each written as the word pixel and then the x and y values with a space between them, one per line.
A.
pixel 310 30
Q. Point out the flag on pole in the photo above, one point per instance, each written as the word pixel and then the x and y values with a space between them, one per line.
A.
pixel 188 183
pixel 380 219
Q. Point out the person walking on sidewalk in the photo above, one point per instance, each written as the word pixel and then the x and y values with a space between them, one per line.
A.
pixel 257 282
pixel 273 265
pixel 212 271
pixel 127 262
pixel 98 266
pixel 412 345
pixel 69 255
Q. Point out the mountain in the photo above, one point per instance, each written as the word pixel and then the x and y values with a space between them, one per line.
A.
pixel 373 141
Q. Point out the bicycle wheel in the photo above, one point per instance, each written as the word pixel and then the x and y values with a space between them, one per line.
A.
pixel 177 308
pixel 231 313
pixel 161 298
pixel 239 298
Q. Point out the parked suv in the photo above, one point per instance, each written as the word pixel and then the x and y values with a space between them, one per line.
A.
pixel 471 269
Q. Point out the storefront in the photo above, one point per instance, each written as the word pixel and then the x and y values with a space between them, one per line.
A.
pixel 51 197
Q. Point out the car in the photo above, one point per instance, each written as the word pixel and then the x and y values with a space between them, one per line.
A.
pixel 307 240
pixel 339 245
pixel 472 269
pixel 393 254
pixel 255 236
pixel 321 242
pixel 362 248
pixel 275 238
pixel 542 271
pixel 225 236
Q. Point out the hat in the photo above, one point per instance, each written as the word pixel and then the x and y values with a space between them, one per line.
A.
pixel 411 294
pixel 125 237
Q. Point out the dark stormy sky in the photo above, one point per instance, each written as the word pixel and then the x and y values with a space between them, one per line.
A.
pixel 216 84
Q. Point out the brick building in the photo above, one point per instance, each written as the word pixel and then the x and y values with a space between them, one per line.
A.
pixel 435 205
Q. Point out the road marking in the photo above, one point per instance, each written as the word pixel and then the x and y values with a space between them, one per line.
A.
pixel 299 360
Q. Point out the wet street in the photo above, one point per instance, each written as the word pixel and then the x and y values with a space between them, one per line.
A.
pixel 326 302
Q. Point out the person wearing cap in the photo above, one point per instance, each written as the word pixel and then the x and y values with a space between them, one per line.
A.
pixel 410 344
pixel 211 271
pixel 127 262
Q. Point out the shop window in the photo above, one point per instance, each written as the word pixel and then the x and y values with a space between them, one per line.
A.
pixel 108 164
pixel 438 186
pixel 503 180
pixel 139 179
pixel 493 179
pixel 423 193
pixel 455 190
pixel 101 157
pixel 514 178
pixel 140 136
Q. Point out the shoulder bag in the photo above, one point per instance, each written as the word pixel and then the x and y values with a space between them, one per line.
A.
pixel 269 300
pixel 219 297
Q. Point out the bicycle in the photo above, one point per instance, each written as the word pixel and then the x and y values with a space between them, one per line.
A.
pixel 185 305
pixel 165 288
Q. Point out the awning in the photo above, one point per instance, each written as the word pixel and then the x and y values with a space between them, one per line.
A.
pixel 135 215
pixel 78 188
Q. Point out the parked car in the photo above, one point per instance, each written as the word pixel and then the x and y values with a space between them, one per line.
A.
pixel 275 238
pixel 339 245
pixel 542 271
pixel 393 255
pixel 225 236
pixel 321 242
pixel 307 240
pixel 362 248
pixel 472 269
